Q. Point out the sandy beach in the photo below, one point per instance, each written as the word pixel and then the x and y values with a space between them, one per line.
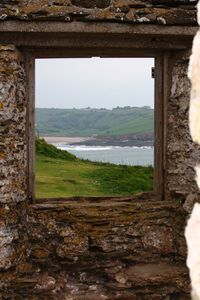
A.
pixel 66 139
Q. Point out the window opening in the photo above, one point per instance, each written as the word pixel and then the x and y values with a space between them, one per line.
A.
pixel 94 126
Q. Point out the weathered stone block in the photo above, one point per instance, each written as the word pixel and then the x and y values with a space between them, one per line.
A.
pixel 182 152
pixel 13 157
pixel 104 249
pixel 92 3
pixel 164 12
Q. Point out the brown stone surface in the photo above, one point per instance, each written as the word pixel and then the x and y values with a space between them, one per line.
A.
pixel 182 152
pixel 104 249
pixel 176 12
pixel 92 249
pixel 13 159
pixel 99 248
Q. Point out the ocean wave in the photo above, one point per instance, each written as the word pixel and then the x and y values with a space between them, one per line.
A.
pixel 85 148
pixel 97 148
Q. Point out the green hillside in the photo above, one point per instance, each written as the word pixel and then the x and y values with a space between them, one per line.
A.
pixel 42 148
pixel 94 122
pixel 60 174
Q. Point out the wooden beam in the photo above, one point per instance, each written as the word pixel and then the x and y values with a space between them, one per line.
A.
pixel 93 41
pixel 94 27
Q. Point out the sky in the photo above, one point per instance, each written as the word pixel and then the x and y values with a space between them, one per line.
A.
pixel 94 82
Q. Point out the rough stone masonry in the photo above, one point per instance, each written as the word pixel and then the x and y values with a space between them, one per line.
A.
pixel 164 12
pixel 131 248
pixel 192 229
pixel 13 157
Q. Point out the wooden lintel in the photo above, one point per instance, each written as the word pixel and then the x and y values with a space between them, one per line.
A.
pixel 95 28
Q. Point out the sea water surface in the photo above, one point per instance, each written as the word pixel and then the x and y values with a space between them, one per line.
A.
pixel 143 156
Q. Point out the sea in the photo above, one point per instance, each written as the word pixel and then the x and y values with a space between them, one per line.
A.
pixel 143 156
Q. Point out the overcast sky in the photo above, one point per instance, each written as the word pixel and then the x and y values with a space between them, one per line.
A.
pixel 94 82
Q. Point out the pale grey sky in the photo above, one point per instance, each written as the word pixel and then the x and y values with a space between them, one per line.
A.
pixel 94 82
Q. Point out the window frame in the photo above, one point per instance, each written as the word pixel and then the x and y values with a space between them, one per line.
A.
pixel 84 52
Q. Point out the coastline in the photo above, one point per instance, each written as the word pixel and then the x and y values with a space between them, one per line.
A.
pixel 66 139
pixel 145 140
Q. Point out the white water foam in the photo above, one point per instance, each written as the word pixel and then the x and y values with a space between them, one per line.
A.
pixel 84 148
pixel 96 148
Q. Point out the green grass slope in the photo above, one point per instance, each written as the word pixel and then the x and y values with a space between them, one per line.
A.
pixel 88 122
pixel 42 148
pixel 67 176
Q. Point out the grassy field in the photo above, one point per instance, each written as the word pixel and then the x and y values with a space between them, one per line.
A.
pixel 60 174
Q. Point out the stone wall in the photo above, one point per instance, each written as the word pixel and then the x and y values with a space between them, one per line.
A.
pixel 123 249
pixel 193 226
pixel 182 152
pixel 104 249
pixel 164 12
pixel 13 157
